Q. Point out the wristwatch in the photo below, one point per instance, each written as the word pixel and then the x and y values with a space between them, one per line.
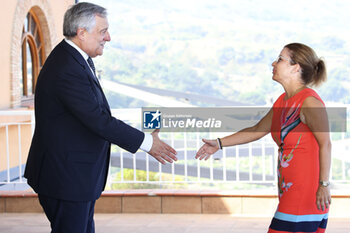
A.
pixel 324 183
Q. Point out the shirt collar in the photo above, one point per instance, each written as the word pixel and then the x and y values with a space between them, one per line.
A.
pixel 71 43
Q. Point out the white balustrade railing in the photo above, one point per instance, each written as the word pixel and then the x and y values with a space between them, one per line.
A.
pixel 11 134
pixel 253 163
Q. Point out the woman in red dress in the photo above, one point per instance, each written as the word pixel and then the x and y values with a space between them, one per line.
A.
pixel 298 124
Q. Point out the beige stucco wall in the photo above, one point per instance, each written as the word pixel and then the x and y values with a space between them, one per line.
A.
pixel 50 13
pixel 6 17
pixel 60 6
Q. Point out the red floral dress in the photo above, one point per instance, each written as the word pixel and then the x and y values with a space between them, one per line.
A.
pixel 298 168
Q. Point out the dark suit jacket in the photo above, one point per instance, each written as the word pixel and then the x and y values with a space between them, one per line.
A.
pixel 70 150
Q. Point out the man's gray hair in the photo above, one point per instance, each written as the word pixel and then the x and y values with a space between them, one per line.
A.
pixel 81 15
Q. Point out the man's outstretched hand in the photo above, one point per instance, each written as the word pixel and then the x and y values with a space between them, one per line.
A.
pixel 160 150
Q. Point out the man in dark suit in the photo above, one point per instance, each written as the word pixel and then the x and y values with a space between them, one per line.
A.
pixel 69 156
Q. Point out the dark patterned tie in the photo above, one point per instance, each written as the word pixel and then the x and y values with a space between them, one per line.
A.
pixel 92 66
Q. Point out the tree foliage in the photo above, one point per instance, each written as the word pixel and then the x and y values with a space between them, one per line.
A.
pixel 221 49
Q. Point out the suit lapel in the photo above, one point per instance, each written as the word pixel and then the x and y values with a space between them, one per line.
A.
pixel 93 80
pixel 75 54
pixel 80 59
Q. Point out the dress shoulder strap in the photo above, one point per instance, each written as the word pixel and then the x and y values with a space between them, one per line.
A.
pixel 307 92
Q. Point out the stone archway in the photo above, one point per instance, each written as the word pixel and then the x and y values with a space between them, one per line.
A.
pixel 42 10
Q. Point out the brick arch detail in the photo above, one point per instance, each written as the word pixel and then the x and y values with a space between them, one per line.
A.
pixel 42 10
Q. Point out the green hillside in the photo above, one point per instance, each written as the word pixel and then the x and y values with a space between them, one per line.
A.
pixel 222 49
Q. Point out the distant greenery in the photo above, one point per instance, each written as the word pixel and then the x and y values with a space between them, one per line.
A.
pixel 221 48
pixel 128 175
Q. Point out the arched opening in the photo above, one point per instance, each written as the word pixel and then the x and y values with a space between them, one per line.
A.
pixel 32 56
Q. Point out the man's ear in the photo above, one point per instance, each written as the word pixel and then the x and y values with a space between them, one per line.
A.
pixel 81 32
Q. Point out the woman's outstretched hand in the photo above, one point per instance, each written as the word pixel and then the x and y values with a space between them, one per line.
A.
pixel 209 148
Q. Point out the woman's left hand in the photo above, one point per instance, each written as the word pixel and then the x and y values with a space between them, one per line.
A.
pixel 323 197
